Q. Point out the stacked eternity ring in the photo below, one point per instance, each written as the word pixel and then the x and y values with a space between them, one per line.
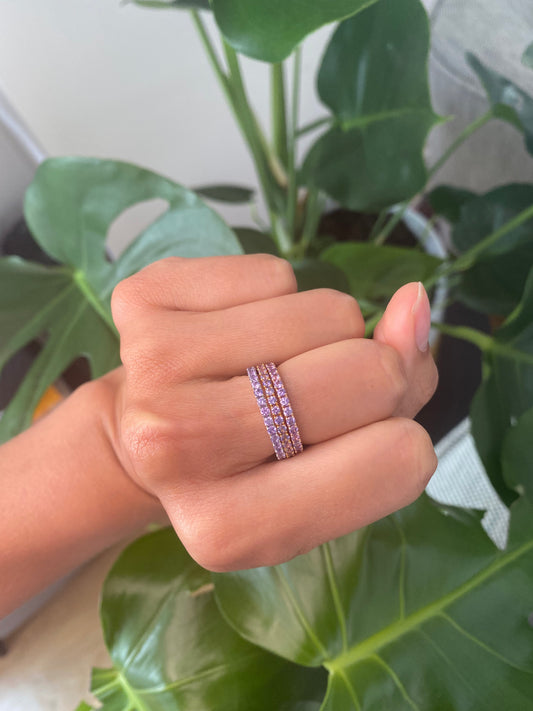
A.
pixel 276 410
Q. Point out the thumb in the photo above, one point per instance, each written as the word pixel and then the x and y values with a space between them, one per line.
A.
pixel 405 327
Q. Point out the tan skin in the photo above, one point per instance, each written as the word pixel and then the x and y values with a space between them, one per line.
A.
pixel 177 432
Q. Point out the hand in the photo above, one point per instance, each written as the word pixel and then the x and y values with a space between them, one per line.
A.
pixel 188 430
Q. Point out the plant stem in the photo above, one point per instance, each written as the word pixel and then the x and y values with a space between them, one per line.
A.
pixel 212 55
pixel 463 136
pixel 279 113
pixel 314 207
pixel 484 342
pixel 466 260
pixel 378 225
pixel 86 289
pixel 396 218
pixel 403 207
pixel 371 324
pixel 235 92
pixel 313 126
pixel 465 333
pixel 292 198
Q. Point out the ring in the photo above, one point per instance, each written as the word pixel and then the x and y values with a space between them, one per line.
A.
pixel 275 407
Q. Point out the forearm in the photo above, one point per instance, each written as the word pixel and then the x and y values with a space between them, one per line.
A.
pixel 64 496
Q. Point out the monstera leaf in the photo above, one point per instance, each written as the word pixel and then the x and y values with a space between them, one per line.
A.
pixel 420 611
pixel 374 79
pixel 495 283
pixel 173 651
pixel 69 208
pixel 271 30
pixel 508 101
pixel 505 396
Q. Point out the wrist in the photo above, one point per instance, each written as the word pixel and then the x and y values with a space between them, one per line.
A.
pixel 65 496
pixel 101 397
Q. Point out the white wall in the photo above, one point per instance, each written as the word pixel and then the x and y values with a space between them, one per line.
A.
pixel 94 77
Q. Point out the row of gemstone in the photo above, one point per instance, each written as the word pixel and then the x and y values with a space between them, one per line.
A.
pixel 276 410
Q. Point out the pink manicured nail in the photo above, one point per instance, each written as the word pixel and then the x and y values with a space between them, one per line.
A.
pixel 422 313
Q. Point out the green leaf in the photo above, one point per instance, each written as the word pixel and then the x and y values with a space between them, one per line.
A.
pixel 447 201
pixel 517 455
pixel 527 57
pixel 375 272
pixel 506 394
pixel 255 242
pixel 235 194
pixel 496 281
pixel 178 4
pixel 69 208
pixel 374 79
pixel 509 102
pixel 83 706
pixel 399 614
pixel 172 649
pixel 316 274
pixel 271 30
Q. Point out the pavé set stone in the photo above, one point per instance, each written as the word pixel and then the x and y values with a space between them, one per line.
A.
pixel 276 410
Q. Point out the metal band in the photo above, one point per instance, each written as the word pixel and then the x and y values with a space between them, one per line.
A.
pixel 276 410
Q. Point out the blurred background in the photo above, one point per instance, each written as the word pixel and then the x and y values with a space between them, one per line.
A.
pixel 111 79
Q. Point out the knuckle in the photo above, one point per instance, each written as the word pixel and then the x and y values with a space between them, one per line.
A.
pixel 143 438
pixel 415 454
pixel 147 363
pixel 393 373
pixel 279 271
pixel 345 309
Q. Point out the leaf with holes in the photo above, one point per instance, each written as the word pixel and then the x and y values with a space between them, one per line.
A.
pixel 69 208
pixel 172 649
pixel 418 611
pixel 508 101
pixel 374 79
pixel 505 395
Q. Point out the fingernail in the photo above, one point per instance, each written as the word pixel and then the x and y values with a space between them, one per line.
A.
pixel 422 314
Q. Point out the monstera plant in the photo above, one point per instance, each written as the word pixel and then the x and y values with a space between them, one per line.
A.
pixel 419 611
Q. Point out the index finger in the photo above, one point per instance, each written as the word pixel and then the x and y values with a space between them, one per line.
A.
pixel 208 283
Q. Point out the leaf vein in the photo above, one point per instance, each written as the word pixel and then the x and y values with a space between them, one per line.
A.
pixel 475 640
pixel 396 679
